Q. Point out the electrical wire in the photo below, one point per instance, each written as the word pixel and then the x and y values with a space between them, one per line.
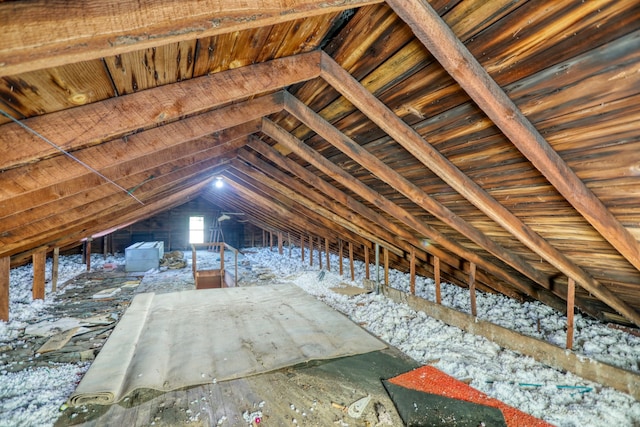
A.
pixel 66 153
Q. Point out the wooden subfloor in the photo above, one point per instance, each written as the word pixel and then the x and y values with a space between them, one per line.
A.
pixel 310 394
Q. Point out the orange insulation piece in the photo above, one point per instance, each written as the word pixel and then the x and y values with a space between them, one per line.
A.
pixel 431 380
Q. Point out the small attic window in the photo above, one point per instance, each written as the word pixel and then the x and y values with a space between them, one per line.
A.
pixel 196 229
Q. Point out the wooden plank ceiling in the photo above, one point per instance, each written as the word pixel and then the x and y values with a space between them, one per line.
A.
pixel 503 134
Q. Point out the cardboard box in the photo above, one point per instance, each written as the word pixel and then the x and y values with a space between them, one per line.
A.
pixel 143 256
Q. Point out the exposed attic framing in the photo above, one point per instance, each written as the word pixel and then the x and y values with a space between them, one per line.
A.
pixel 166 143
pixel 465 69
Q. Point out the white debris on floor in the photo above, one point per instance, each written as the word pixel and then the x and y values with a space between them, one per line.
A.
pixel 559 398
pixel 32 397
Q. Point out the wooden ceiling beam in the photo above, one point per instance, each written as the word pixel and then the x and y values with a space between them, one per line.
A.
pixel 148 210
pixel 350 208
pixel 161 202
pixel 387 230
pixel 91 124
pixel 406 136
pixel 440 40
pixel 336 195
pixel 101 157
pixel 149 148
pixel 40 34
pixel 328 195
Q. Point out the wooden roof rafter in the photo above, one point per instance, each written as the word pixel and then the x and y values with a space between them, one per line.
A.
pixel 306 196
pixel 39 34
pixel 137 166
pixel 124 116
pixel 390 232
pixel 108 211
pixel 436 35
pixel 287 207
pixel 131 116
pixel 169 197
pixel 412 192
pixel 236 95
pixel 294 145
pixel 406 136
pixel 313 211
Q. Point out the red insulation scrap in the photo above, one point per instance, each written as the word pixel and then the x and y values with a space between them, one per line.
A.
pixel 428 379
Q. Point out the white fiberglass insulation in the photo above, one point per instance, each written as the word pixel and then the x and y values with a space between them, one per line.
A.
pixel 33 397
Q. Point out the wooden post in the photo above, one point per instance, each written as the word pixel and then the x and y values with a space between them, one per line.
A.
pixel 88 253
pixel 320 252
pixel 105 246
pixel 280 242
pixel 235 266
pixel 310 250
pixel 377 257
pixel 340 256
pixel 54 269
pixel 436 278
pixel 5 268
pixel 326 250
pixel 385 256
pixel 222 260
pixel 412 271
pixel 39 259
pixel 472 288
pixel 571 294
pixel 270 241
pixel 194 266
pixel 366 262
pixel 302 246
pixel 289 241
pixel 353 276
pixel 264 238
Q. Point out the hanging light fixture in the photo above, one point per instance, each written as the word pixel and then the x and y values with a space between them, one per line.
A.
pixel 219 182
